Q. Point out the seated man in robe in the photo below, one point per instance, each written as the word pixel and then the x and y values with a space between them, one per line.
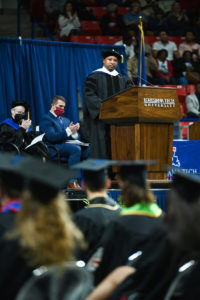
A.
pixel 17 130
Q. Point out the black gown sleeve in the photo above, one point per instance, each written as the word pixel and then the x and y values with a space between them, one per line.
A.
pixel 9 135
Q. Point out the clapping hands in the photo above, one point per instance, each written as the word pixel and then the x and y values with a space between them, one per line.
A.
pixel 74 127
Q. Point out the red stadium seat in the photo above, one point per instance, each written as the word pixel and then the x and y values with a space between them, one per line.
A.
pixel 151 39
pixel 176 39
pixel 98 11
pixel 122 10
pixel 82 39
pixel 107 39
pixel 89 2
pixel 91 28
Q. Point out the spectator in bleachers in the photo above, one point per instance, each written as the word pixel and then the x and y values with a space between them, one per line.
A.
pixel 151 65
pixel 190 6
pixel 196 25
pixel 84 11
pixel 164 43
pixel 193 103
pixel 111 22
pixel 190 45
pixel 52 11
pixel 68 21
pixel 131 20
pixel 158 23
pixel 128 43
pixel 164 72
pixel 165 5
pixel 186 70
pixel 148 7
pixel 177 20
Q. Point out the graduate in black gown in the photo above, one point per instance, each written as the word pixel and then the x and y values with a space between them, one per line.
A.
pixel 167 252
pixel 171 247
pixel 101 84
pixel 44 234
pixel 101 210
pixel 139 216
pixel 11 187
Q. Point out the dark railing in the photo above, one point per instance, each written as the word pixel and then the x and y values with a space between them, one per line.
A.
pixel 34 21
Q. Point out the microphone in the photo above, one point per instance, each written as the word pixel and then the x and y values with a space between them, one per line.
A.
pixel 140 77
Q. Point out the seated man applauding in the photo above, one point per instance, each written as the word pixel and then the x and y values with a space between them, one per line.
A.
pixel 58 131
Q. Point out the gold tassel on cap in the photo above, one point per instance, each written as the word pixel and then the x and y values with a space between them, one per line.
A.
pixel 122 58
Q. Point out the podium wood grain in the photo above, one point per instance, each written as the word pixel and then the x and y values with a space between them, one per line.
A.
pixel 142 132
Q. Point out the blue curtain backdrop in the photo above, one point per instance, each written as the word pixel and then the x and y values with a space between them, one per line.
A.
pixel 35 71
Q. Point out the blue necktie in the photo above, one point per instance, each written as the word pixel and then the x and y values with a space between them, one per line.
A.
pixel 59 119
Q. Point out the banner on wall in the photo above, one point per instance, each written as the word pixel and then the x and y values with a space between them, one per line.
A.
pixel 186 156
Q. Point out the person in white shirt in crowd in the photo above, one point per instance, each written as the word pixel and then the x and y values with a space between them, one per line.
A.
pixel 164 43
pixel 128 43
pixel 193 103
pixel 68 21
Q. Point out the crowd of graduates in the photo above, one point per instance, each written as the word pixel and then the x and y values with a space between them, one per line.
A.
pixel 130 249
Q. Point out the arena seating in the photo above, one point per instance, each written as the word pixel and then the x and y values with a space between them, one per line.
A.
pixel 82 39
pixel 98 11
pixel 107 39
pixel 91 28
pixel 122 10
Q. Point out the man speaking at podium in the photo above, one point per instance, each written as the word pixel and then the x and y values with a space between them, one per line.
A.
pixel 100 85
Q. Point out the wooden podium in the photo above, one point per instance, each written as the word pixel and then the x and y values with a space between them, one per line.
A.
pixel 194 131
pixel 141 125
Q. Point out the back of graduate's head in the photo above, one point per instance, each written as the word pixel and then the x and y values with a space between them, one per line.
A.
pixel 95 173
pixel 132 178
pixel 11 185
pixel 96 181
pixel 11 182
pixel 183 211
pixel 44 224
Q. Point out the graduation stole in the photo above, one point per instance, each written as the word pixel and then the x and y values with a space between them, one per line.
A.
pixel 143 209
pixel 11 123
pixel 14 205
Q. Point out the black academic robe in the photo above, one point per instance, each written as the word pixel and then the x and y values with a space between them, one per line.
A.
pixel 125 236
pixel 8 134
pixel 21 138
pixel 156 269
pixel 7 222
pixel 93 221
pixel 99 86
pixel 14 270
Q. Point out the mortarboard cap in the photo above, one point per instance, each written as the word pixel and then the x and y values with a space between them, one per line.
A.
pixel 94 169
pixel 9 174
pixel 94 165
pixel 20 103
pixel 135 172
pixel 112 52
pixel 187 186
pixel 44 180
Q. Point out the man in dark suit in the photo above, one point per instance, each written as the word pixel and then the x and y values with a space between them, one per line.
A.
pixel 58 131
